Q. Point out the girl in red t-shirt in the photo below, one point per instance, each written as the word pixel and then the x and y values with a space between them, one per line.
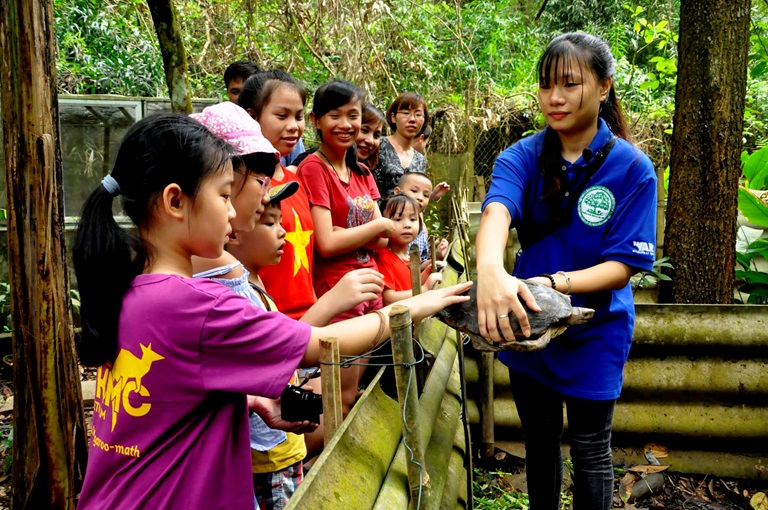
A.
pixel 276 101
pixel 342 195
pixel 393 260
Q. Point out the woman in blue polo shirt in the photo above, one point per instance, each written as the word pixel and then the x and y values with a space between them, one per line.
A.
pixel 583 200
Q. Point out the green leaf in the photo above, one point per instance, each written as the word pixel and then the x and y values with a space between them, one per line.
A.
pixel 756 163
pixel 743 259
pixel 758 289
pixel 753 208
pixel 758 246
pixel 753 276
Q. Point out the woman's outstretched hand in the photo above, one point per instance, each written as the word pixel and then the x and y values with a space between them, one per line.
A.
pixel 497 299
pixel 429 303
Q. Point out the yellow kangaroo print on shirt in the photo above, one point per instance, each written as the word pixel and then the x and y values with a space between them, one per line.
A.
pixel 116 383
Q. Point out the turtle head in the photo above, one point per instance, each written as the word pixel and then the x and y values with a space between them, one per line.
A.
pixel 580 315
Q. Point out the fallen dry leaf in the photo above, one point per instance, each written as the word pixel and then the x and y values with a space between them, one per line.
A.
pixel 645 469
pixel 658 451
pixel 625 487
pixel 759 501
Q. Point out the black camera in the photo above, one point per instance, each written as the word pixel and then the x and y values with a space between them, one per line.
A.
pixel 297 404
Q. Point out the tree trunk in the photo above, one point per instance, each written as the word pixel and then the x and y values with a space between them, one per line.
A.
pixel 49 443
pixel 174 57
pixel 700 235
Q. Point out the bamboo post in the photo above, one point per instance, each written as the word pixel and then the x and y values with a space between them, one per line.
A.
pixel 415 267
pixel 479 188
pixel 486 403
pixel 661 210
pixel 330 360
pixel 402 352
pixel 432 254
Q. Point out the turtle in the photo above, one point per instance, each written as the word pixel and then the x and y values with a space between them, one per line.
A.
pixel 554 318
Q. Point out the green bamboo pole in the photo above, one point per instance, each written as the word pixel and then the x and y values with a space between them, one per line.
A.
pixel 402 351
pixel 456 471
pixel 350 471
pixel 440 445
pixel 392 493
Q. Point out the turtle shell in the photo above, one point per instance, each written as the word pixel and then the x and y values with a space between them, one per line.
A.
pixel 552 320
pixel 555 310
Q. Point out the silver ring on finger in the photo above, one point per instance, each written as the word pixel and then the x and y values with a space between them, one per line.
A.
pixel 503 316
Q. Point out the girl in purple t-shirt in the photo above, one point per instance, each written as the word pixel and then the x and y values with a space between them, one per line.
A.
pixel 177 355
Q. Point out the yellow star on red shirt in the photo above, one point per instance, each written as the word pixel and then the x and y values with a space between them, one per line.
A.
pixel 300 240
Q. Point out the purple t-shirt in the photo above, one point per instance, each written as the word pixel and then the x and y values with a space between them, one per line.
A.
pixel 170 420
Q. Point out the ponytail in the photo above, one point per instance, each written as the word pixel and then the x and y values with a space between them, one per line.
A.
pixel 106 259
pixel 612 114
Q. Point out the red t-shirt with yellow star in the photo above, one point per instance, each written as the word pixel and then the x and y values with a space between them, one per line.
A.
pixel 290 282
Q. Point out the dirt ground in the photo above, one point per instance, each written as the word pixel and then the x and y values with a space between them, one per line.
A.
pixel 505 473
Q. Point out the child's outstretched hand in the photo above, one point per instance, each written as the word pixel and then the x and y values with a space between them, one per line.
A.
pixel 387 227
pixel 441 250
pixel 429 303
pixel 433 279
pixel 439 190
pixel 356 287
pixel 269 411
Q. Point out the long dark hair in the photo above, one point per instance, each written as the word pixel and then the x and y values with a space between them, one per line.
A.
pixel 155 152
pixel 258 89
pixel 594 54
pixel 333 95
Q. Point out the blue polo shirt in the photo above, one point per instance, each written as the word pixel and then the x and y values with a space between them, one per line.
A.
pixel 614 218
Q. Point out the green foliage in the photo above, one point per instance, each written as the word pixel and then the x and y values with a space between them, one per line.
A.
pixel 107 47
pixel 488 492
pixel 754 209
pixel 5 307
pixel 490 496
pixel 6 446
pixel 756 101
pixel 755 168
pixel 750 279
pixel 652 278
pixel 441 48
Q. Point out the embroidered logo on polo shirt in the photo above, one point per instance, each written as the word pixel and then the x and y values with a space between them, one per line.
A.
pixel 596 205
